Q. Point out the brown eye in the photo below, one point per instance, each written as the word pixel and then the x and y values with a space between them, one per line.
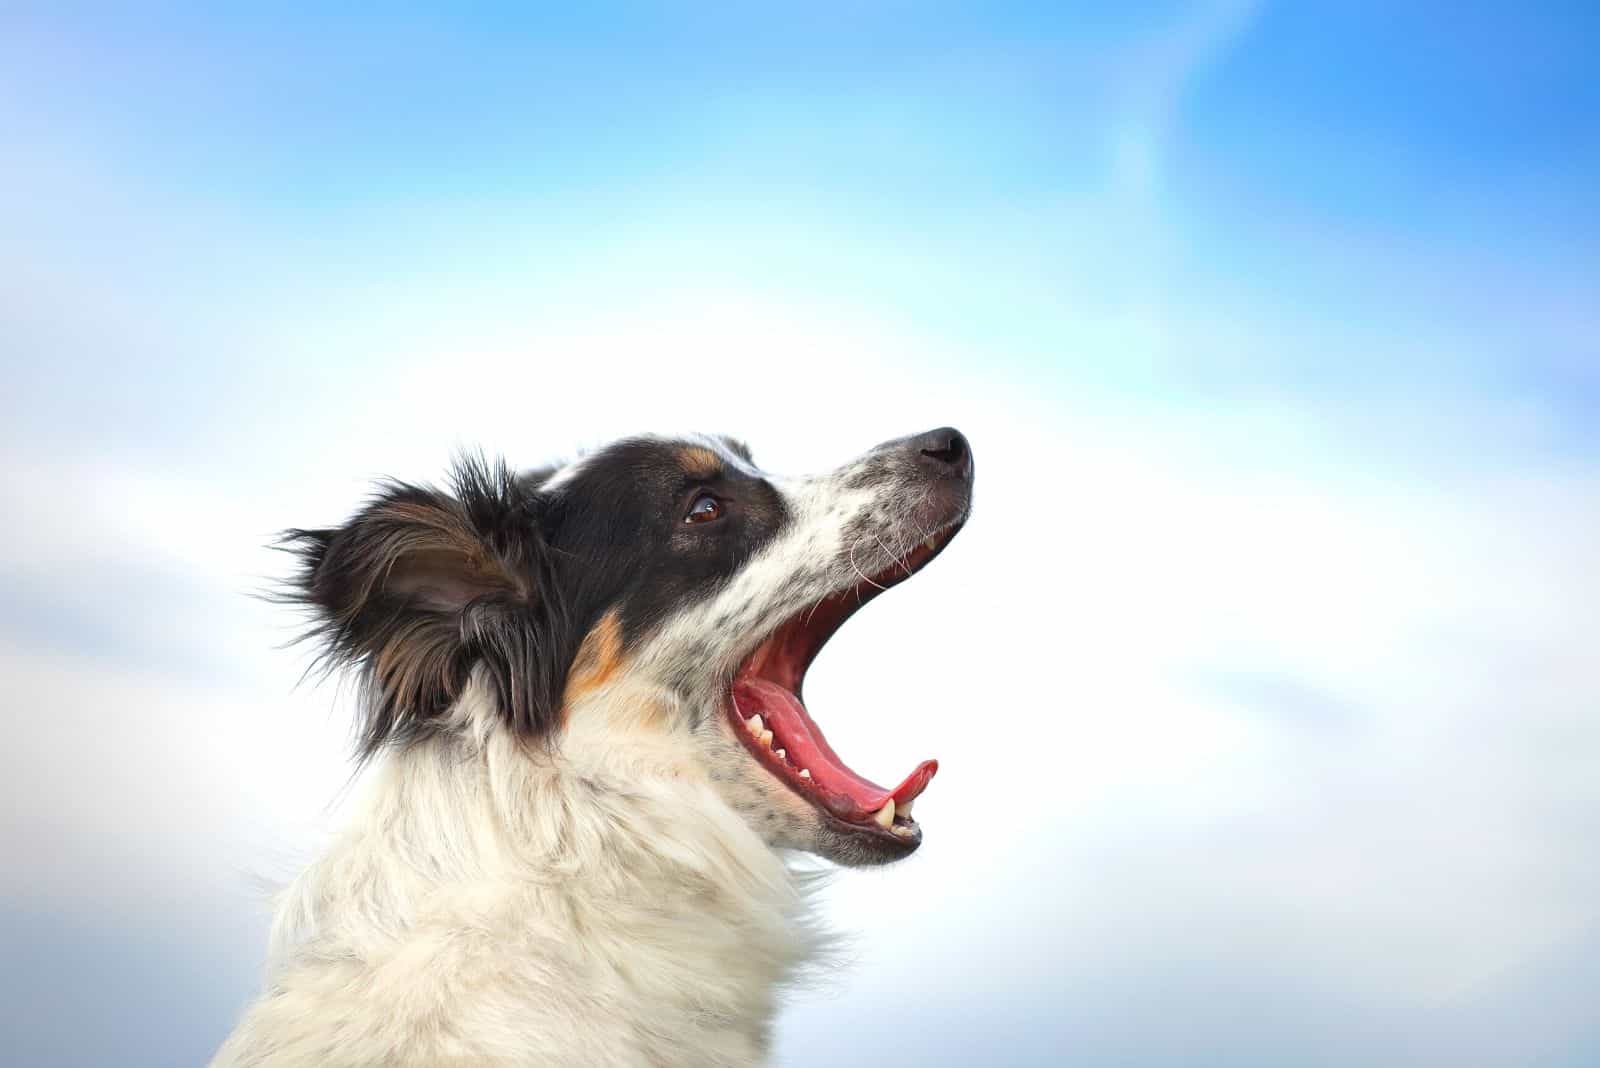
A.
pixel 704 509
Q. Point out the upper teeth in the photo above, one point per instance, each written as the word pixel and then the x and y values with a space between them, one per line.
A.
pixel 766 739
pixel 805 773
pixel 781 754
pixel 885 815
pixel 755 724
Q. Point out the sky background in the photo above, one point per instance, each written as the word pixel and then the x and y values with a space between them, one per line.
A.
pixel 1274 737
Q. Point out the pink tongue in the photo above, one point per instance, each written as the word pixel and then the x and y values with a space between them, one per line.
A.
pixel 843 791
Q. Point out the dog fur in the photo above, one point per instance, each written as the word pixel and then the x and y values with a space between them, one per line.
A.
pixel 568 855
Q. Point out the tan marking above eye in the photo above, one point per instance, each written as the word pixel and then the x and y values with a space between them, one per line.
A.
pixel 699 462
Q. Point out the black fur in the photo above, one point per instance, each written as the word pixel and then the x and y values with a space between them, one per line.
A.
pixel 422 585
pixel 619 525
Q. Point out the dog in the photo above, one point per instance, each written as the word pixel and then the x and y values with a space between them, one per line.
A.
pixel 580 694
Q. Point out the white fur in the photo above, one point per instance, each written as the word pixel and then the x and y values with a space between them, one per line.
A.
pixel 495 905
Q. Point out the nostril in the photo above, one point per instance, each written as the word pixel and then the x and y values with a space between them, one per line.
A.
pixel 947 450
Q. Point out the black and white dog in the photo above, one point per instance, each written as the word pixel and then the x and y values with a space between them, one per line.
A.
pixel 582 686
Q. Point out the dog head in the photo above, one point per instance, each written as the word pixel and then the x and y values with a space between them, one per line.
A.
pixel 664 590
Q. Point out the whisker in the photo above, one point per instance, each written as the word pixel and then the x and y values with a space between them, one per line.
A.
pixel 814 608
pixel 857 568
pixel 901 558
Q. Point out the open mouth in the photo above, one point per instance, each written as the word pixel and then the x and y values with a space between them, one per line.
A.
pixel 770 718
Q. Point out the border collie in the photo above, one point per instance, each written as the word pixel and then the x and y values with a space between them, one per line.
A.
pixel 580 687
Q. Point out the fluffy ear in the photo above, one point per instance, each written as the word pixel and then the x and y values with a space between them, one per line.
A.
pixel 423 585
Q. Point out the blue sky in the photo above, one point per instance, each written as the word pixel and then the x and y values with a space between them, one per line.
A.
pixel 1237 199
pixel 1274 327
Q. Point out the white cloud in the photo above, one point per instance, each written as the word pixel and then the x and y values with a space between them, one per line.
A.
pixel 1211 700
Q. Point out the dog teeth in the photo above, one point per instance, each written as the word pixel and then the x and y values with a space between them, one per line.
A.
pixel 781 754
pixel 905 809
pixel 805 773
pixel 766 739
pixel 885 815
pixel 755 725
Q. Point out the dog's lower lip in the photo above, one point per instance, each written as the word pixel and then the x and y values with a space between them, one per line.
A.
pixel 890 822
pixel 808 764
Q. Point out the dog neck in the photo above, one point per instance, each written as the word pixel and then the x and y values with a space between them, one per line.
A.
pixel 493 897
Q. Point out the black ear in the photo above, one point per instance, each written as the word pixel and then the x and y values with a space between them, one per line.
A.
pixel 423 586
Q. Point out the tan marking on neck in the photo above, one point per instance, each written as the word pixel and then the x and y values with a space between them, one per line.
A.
pixel 599 689
pixel 598 660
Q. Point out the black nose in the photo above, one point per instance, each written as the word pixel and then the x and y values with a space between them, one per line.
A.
pixel 944 451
